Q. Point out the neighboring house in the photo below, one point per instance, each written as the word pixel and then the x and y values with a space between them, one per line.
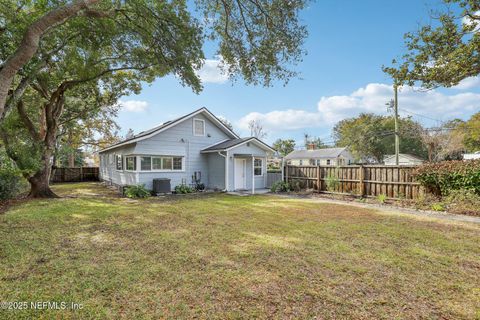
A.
pixel 320 157
pixel 471 156
pixel 403 160
pixel 196 146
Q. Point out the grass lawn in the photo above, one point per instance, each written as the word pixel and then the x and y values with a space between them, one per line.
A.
pixel 224 256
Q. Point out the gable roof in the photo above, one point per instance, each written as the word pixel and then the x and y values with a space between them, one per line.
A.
pixel 317 153
pixel 229 144
pixel 405 155
pixel 151 132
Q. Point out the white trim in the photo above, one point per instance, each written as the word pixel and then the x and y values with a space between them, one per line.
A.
pixel 258 142
pixel 261 166
pixel 204 127
pixel 253 174
pixel 139 164
pixel 226 168
pixel 172 124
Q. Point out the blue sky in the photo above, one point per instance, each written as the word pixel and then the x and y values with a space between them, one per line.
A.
pixel 341 76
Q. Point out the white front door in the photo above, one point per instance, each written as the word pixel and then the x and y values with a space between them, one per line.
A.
pixel 240 174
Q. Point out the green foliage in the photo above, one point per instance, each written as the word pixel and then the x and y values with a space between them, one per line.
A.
pixel 183 189
pixel 371 137
pixel 382 198
pixel 443 177
pixel 471 130
pixel 284 147
pixel 463 202
pixel 199 186
pixel 438 206
pixel 137 191
pixel 332 181
pixel 11 183
pixel 444 53
pixel 280 186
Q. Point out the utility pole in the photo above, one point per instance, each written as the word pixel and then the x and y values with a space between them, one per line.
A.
pixel 397 137
pixel 393 104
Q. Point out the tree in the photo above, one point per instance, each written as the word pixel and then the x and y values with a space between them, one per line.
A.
pixel 370 137
pixel 256 129
pixel 226 123
pixel 284 147
pixel 471 130
pixel 258 40
pixel 115 46
pixel 315 141
pixel 445 54
pixel 130 134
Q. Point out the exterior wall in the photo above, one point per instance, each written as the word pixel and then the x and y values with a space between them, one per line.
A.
pixel 216 171
pixel 178 140
pixel 306 162
pixel 108 171
pixel 260 181
pixel 403 161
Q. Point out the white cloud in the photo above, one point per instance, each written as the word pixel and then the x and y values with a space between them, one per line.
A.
pixel 468 83
pixel 133 105
pixel 371 98
pixel 211 72
pixel 467 21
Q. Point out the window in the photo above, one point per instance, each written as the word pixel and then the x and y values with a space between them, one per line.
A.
pixel 311 162
pixel 119 161
pixel 150 163
pixel 156 163
pixel 328 162
pixel 301 162
pixel 318 162
pixel 130 163
pixel 198 127
pixel 257 167
pixel 145 163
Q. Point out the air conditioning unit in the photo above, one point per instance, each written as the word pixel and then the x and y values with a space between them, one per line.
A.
pixel 161 185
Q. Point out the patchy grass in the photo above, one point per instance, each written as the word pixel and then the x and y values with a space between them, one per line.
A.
pixel 233 257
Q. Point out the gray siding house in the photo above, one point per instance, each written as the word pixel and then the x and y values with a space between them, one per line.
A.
pixel 320 157
pixel 195 146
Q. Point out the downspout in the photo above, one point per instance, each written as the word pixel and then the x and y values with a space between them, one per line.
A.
pixel 253 174
pixel 226 169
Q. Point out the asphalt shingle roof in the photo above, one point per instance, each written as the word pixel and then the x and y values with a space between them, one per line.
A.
pixel 317 153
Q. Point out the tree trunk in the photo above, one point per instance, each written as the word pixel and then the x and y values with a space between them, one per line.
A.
pixel 71 160
pixel 39 185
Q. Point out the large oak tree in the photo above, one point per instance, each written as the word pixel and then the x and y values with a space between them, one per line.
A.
pixel 113 46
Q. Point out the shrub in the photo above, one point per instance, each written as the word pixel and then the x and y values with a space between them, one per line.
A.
pixel 199 186
pixel 438 206
pixel 138 191
pixel 280 186
pixel 444 177
pixel 463 202
pixel 332 181
pixel 11 183
pixel 381 198
pixel 183 189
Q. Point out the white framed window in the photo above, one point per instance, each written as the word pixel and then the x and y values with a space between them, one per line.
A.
pixel 318 162
pixel 198 127
pixel 119 161
pixel 146 163
pixel 161 163
pixel 301 162
pixel 131 163
pixel 258 167
pixel 328 162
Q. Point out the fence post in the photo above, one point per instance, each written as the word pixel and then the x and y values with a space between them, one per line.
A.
pixel 319 181
pixel 362 184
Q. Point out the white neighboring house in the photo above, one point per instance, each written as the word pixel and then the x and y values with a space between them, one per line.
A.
pixel 320 157
pixel 197 146
pixel 471 156
pixel 403 160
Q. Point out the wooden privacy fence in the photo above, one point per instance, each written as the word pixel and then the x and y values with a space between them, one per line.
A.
pixel 369 180
pixel 75 174
pixel 273 177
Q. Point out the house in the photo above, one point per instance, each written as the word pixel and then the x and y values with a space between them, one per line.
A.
pixel 471 156
pixel 403 160
pixel 320 157
pixel 195 147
